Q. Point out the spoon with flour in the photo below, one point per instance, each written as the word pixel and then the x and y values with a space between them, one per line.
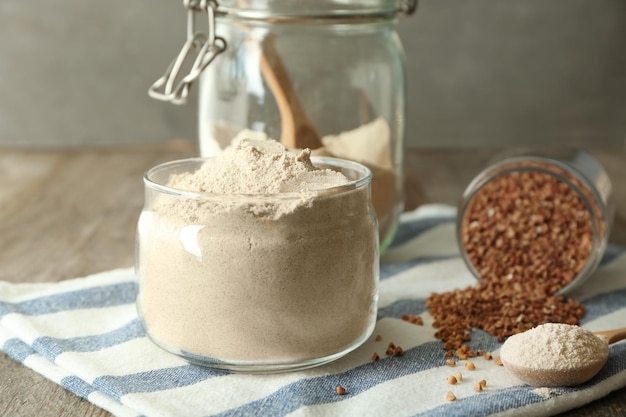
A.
pixel 558 355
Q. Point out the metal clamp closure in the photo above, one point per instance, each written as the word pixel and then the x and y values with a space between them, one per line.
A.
pixel 174 87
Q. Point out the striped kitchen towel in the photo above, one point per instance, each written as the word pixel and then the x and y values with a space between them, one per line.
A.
pixel 84 335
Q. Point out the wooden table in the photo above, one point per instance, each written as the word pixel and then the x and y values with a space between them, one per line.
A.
pixel 72 212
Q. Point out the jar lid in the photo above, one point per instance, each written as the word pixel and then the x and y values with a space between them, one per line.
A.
pixel 311 9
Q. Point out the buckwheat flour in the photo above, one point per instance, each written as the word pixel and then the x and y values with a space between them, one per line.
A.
pixel 554 346
pixel 275 265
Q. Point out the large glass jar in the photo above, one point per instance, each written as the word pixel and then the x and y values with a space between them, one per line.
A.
pixel 323 74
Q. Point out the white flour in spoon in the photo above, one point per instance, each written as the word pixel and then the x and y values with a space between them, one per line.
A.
pixel 554 346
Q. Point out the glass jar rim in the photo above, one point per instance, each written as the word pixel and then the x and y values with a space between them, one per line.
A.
pixel 315 9
pixel 364 179
pixel 540 163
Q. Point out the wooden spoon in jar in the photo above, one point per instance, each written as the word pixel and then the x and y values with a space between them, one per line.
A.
pixel 297 132
pixel 560 377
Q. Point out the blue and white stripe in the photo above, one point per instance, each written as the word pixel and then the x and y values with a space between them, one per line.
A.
pixel 84 335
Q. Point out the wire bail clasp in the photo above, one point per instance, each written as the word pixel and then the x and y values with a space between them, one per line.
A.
pixel 206 46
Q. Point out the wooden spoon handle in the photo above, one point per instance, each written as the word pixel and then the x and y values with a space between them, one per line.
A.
pixel 296 130
pixel 613 336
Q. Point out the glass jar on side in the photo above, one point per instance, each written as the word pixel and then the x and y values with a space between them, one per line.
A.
pixel 258 282
pixel 537 216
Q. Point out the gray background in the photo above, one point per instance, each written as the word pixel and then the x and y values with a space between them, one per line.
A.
pixel 480 72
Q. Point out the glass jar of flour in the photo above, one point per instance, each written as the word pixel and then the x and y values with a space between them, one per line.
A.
pixel 242 269
pixel 322 74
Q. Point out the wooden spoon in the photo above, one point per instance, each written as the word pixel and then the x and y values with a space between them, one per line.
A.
pixel 566 377
pixel 613 336
pixel 297 132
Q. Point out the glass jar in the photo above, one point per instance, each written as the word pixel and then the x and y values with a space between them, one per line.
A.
pixel 542 215
pixel 323 74
pixel 226 284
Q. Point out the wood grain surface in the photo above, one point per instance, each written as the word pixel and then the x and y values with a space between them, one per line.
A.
pixel 72 212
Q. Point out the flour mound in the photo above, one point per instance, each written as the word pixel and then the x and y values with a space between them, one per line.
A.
pixel 554 346
pixel 258 166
